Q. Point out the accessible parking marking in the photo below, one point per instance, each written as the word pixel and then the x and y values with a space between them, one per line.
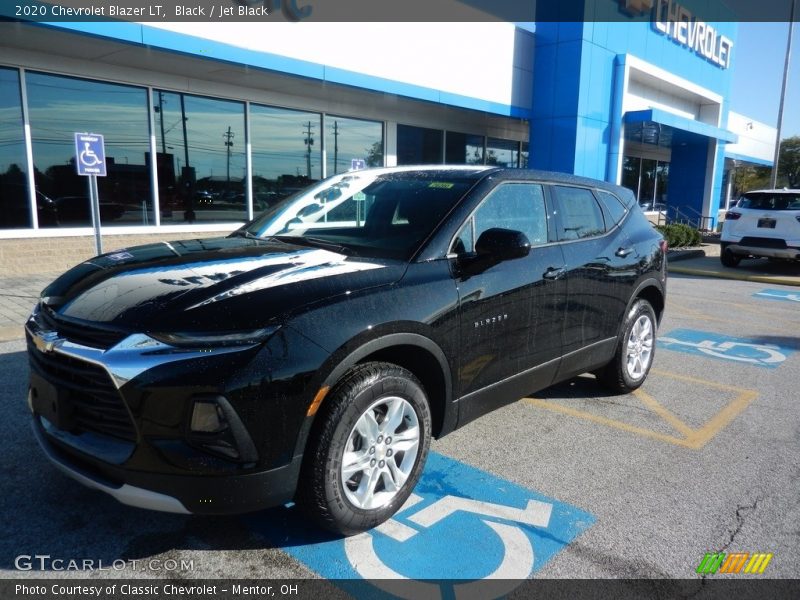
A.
pixel 693 438
pixel 480 533
pixel 725 347
pixel 778 295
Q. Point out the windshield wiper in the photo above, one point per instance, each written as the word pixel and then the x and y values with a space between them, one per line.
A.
pixel 316 242
pixel 245 234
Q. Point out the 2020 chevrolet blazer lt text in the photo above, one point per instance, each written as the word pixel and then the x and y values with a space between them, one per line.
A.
pixel 314 353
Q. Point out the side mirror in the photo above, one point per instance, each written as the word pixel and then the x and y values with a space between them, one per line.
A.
pixel 502 244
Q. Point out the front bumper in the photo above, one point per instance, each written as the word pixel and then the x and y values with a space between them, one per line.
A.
pixel 199 494
pixel 124 429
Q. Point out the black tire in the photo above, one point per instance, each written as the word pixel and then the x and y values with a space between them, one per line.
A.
pixel 728 258
pixel 618 376
pixel 324 493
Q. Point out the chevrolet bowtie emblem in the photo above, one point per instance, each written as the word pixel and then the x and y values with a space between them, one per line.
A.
pixel 46 341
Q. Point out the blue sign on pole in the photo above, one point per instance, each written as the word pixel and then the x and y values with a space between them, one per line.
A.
pixel 90 154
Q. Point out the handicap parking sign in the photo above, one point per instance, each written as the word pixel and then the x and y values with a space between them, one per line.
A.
pixel 90 154
pixel 463 533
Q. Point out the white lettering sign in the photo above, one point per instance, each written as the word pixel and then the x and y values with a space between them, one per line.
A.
pixel 677 22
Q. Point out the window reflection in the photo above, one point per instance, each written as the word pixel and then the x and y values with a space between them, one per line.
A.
pixel 14 205
pixel 419 145
pixel 61 106
pixel 201 158
pixel 502 153
pixel 464 148
pixel 348 139
pixel 285 153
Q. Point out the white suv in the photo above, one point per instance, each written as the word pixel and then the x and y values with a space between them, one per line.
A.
pixel 764 223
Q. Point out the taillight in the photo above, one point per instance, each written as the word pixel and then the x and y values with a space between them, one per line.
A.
pixel 664 246
pixel 732 216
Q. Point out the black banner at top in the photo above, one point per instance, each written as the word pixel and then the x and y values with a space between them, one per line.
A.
pixel 392 10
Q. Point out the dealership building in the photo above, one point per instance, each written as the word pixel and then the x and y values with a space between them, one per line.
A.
pixel 207 124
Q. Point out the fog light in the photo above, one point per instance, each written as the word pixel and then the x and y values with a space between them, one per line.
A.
pixel 207 417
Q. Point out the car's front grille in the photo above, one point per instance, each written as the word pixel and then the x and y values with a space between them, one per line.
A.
pixel 762 242
pixel 96 403
pixel 86 335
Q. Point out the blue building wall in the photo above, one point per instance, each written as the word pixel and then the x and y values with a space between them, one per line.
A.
pixel 575 85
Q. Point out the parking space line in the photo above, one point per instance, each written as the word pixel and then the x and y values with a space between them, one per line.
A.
pixel 693 438
pixel 662 412
pixel 695 314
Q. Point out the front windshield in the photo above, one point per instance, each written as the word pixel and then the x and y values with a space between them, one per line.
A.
pixel 366 213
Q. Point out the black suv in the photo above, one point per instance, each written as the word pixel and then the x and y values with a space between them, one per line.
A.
pixel 313 353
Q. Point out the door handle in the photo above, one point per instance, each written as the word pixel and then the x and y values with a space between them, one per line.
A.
pixel 554 272
pixel 623 252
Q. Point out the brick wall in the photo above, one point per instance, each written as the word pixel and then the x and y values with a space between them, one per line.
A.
pixel 32 256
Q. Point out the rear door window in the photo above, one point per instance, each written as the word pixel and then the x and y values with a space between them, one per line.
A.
pixel 579 213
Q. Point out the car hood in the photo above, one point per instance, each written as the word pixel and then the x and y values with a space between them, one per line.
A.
pixel 221 284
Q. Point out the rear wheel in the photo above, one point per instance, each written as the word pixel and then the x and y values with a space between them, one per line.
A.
pixel 368 450
pixel 728 258
pixel 635 349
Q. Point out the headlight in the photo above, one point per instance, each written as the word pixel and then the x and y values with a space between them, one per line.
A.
pixel 210 339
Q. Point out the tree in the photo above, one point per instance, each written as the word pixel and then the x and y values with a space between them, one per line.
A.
pixel 789 162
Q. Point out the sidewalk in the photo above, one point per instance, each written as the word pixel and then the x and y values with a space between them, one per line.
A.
pixel 17 297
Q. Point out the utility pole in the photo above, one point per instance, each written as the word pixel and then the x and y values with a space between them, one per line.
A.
pixel 161 118
pixel 774 179
pixel 228 135
pixel 309 141
pixel 335 147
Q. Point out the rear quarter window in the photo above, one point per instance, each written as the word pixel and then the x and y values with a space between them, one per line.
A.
pixel 613 207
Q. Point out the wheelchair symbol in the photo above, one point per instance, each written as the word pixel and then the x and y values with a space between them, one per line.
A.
pixel 758 354
pixel 88 157
pixel 518 555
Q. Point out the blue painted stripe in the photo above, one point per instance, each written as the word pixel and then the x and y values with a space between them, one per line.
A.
pixel 208 49
pixel 750 159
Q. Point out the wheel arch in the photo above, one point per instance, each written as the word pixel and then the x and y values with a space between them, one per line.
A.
pixel 651 291
pixel 418 354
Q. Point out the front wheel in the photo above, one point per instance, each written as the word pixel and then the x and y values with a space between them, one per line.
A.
pixel 368 450
pixel 635 349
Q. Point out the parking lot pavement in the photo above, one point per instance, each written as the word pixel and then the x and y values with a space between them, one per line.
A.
pixel 750 269
pixel 568 483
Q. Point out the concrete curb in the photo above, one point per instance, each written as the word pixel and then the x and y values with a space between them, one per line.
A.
pixel 736 276
pixel 674 255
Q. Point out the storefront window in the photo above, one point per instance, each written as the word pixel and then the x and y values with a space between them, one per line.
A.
pixel 14 203
pixel 523 156
pixel 201 158
pixel 285 151
pixel 61 106
pixel 419 145
pixel 348 139
pixel 464 148
pixel 649 180
pixel 503 153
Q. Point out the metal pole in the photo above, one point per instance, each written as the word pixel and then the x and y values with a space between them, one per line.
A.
pixel 774 179
pixel 94 198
